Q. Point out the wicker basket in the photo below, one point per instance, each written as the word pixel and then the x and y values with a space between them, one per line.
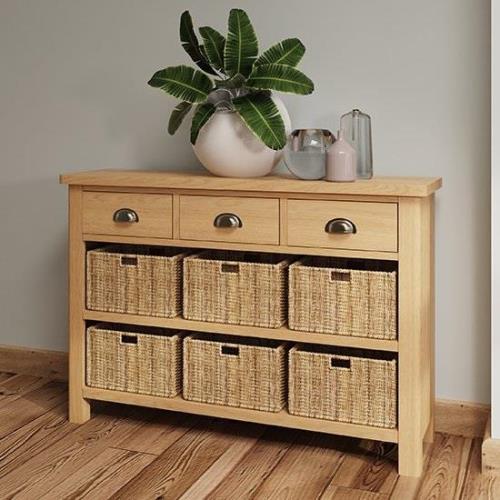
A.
pixel 134 359
pixel 135 280
pixel 239 288
pixel 337 384
pixel 329 296
pixel 247 373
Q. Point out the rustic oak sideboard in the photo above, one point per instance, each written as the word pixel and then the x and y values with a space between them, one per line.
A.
pixel 386 219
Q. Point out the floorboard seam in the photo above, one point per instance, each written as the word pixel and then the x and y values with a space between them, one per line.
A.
pixel 120 448
pixel 340 462
pixel 469 459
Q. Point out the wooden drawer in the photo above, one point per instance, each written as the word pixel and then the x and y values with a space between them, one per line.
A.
pixel 376 224
pixel 259 219
pixel 154 214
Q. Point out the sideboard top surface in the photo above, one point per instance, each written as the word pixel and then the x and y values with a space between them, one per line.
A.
pixel 193 180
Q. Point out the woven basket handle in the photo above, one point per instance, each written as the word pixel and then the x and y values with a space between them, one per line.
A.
pixel 128 339
pixel 340 276
pixel 127 260
pixel 229 268
pixel 230 350
pixel 340 363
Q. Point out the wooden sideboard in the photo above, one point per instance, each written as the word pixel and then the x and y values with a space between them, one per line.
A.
pixel 394 218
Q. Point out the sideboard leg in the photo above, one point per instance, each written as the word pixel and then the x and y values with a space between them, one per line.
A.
pixel 410 457
pixel 79 408
pixel 429 435
pixel 415 364
pixel 431 317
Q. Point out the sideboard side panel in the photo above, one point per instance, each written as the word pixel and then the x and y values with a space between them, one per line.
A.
pixel 79 408
pixel 415 349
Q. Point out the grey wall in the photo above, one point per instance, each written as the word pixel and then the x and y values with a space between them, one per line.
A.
pixel 495 222
pixel 73 95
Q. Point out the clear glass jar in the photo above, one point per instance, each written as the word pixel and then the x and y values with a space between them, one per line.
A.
pixel 358 131
pixel 305 152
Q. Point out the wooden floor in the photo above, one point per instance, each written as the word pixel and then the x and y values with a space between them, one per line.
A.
pixel 132 453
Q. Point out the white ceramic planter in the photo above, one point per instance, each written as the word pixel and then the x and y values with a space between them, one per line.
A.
pixel 226 147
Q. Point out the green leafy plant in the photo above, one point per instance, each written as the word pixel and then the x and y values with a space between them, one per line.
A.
pixel 240 79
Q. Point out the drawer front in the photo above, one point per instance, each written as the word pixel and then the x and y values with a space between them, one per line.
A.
pixel 259 219
pixel 154 214
pixel 376 225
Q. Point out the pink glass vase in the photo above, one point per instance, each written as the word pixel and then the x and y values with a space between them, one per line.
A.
pixel 341 160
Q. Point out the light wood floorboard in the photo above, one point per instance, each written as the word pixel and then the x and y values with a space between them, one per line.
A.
pixel 101 477
pixel 305 469
pixel 248 474
pixel 17 385
pixel 371 466
pixel 127 453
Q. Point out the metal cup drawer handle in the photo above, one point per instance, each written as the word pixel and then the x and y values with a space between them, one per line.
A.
pixel 125 215
pixel 227 220
pixel 340 226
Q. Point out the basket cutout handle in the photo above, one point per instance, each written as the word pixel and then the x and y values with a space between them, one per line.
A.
pixel 126 260
pixel 340 276
pixel 340 363
pixel 230 268
pixel 230 350
pixel 128 339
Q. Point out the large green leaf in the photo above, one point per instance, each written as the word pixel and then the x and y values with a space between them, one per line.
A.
pixel 178 114
pixel 289 52
pixel 263 118
pixel 213 43
pixel 183 82
pixel 201 116
pixel 190 43
pixel 235 82
pixel 241 45
pixel 281 78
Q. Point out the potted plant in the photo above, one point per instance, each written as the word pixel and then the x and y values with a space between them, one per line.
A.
pixel 239 127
